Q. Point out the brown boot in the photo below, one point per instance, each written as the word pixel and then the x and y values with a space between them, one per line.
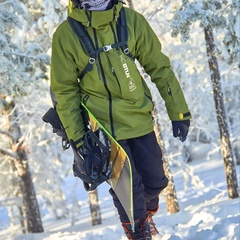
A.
pixel 153 229
pixel 142 230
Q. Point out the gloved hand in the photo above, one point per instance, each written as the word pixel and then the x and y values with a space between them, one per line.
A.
pixel 180 129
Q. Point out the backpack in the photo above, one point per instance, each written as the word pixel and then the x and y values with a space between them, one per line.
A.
pixel 88 45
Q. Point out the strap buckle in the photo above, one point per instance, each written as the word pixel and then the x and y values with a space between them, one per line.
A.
pixel 126 51
pixel 91 60
pixel 107 48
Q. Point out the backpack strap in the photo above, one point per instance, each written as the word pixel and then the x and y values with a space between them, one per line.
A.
pixel 122 32
pixel 88 45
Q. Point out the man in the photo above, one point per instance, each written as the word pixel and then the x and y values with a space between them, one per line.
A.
pixel 118 97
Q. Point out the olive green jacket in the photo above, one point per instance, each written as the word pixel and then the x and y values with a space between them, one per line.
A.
pixel 113 90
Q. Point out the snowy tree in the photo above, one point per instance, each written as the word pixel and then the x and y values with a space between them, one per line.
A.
pixel 30 213
pixel 220 15
pixel 214 15
pixel 16 65
pixel 24 41
pixel 46 15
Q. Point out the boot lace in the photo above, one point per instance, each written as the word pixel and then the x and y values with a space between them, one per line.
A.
pixel 153 228
pixel 142 231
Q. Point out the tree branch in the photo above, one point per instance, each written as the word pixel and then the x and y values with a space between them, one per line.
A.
pixel 10 154
pixel 5 3
pixel 7 134
pixel 20 55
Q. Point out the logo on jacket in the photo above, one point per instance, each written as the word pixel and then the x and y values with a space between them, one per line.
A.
pixel 131 83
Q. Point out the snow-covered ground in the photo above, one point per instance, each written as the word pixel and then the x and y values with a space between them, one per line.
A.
pixel 205 212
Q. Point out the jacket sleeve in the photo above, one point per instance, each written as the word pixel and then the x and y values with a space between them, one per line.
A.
pixel 157 65
pixel 64 85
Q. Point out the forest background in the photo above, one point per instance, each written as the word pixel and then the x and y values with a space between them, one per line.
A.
pixel 28 145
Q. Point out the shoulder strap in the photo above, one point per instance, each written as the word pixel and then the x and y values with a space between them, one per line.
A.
pixel 86 42
pixel 122 32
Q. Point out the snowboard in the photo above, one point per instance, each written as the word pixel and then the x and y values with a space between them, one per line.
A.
pixel 121 172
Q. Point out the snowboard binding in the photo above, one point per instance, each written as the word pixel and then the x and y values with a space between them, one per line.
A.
pixel 91 160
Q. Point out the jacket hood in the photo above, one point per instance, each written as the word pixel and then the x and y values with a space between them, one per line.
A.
pixel 96 19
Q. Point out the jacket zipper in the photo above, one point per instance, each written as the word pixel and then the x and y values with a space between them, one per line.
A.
pixel 115 41
pixel 105 85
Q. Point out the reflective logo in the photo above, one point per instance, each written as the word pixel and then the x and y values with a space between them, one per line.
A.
pixel 131 84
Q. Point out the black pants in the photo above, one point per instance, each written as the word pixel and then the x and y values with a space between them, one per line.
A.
pixel 148 175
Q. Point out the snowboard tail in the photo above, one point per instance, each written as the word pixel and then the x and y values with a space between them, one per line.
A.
pixel 121 172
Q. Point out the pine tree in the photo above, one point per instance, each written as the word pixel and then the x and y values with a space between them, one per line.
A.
pixel 226 146
pixel 17 67
pixel 215 14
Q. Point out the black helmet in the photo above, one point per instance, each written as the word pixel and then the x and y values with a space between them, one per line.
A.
pixel 91 160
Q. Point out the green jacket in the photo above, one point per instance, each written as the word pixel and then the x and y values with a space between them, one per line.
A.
pixel 113 90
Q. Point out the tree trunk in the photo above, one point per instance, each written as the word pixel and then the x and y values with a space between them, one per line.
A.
pixel 30 208
pixel 170 191
pixel 23 219
pixel 94 207
pixel 226 148
pixel 237 154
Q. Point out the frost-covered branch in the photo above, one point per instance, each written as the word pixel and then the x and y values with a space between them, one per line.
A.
pixel 187 172
pixel 11 202
pixel 8 153
pixel 20 55
pixel 10 12
pixel 219 15
pixel 7 134
pixel 6 3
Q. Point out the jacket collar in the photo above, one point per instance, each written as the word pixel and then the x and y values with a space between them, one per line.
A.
pixel 96 19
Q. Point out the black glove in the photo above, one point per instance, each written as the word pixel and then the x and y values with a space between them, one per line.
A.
pixel 92 159
pixel 180 129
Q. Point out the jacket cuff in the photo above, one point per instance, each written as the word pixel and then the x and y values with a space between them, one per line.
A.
pixel 179 116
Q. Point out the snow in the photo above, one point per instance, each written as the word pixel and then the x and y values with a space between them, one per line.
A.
pixel 205 213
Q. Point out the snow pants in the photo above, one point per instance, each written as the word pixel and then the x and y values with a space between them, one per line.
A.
pixel 147 173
